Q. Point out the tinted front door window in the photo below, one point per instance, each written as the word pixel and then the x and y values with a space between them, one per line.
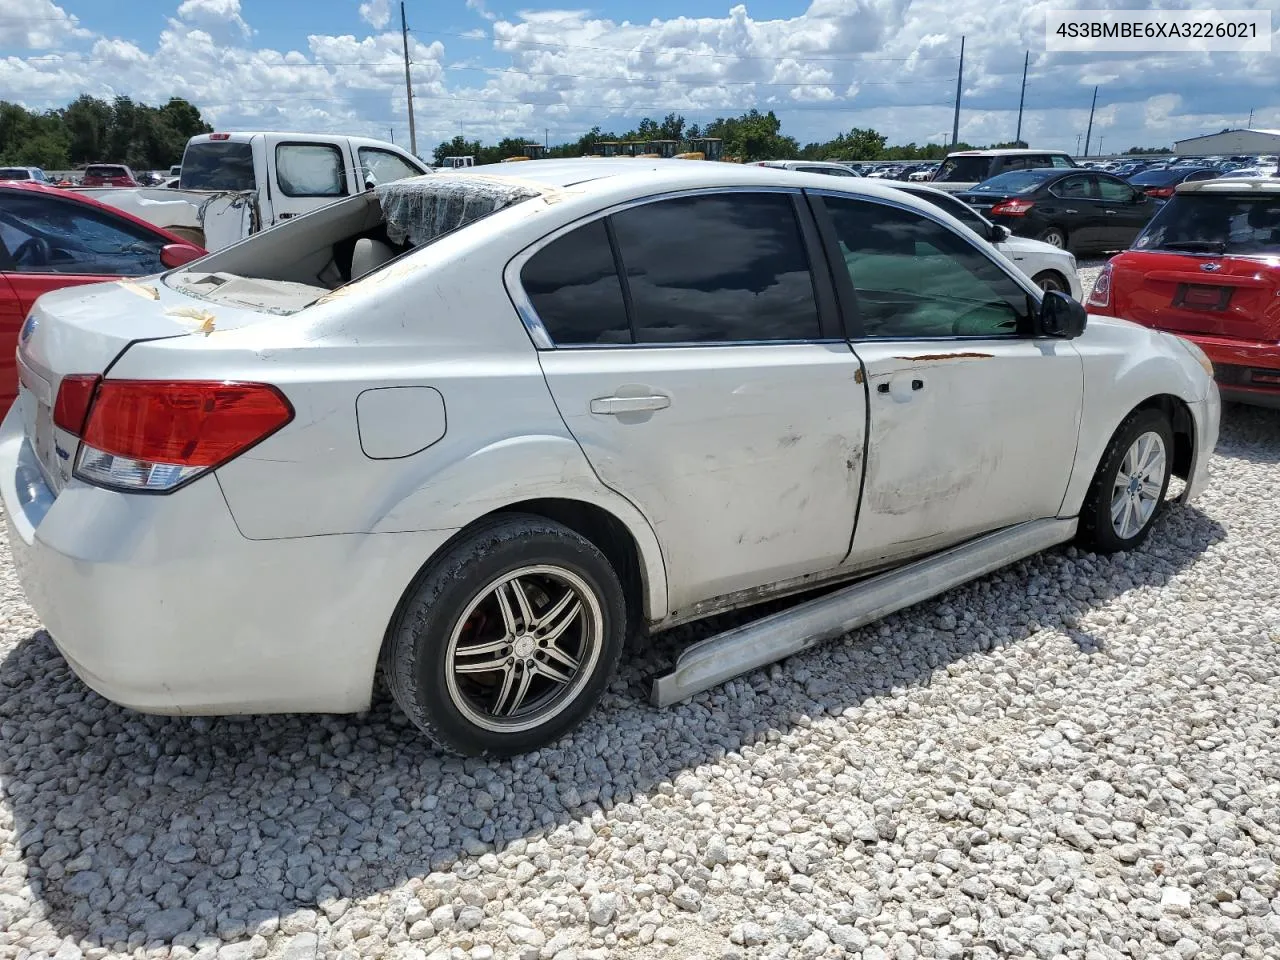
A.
pixel 915 278
pixel 720 268
pixel 50 235
pixel 574 288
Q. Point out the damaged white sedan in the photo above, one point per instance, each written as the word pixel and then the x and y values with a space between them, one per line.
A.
pixel 478 428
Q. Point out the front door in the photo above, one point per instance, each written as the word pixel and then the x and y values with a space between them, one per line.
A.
pixel 306 175
pixel 1077 207
pixel 972 425
pixel 704 384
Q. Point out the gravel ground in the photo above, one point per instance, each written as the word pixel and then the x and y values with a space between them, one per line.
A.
pixel 1072 757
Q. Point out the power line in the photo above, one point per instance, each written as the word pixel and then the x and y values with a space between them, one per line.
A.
pixel 498 71
pixel 616 108
pixel 853 55
pixel 845 57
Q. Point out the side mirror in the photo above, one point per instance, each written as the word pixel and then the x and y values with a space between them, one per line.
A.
pixel 1060 316
pixel 999 233
pixel 174 255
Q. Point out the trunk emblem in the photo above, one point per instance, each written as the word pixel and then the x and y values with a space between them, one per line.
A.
pixel 28 329
pixel 1211 267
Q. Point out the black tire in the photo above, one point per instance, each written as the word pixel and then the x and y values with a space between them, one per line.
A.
pixel 1055 237
pixel 1051 280
pixel 1097 531
pixel 416 657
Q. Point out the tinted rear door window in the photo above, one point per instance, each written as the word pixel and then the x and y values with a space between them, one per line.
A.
pixel 575 290
pixel 717 268
pixel 218 165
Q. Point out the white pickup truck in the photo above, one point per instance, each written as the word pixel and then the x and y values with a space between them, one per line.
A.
pixel 234 184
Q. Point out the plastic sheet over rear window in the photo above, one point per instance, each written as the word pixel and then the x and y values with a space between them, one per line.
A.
pixel 421 209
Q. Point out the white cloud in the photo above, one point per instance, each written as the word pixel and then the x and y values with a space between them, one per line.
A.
pixel 37 25
pixel 377 13
pixel 479 7
pixel 887 64
pixel 221 19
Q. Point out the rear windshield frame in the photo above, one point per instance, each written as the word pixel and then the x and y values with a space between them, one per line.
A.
pixel 1182 212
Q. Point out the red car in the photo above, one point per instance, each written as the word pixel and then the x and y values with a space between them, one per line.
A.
pixel 50 238
pixel 1207 268
pixel 109 175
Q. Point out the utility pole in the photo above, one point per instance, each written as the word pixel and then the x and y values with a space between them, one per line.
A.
pixel 1022 98
pixel 1249 125
pixel 1079 137
pixel 546 138
pixel 955 123
pixel 393 134
pixel 1089 132
pixel 1099 144
pixel 408 81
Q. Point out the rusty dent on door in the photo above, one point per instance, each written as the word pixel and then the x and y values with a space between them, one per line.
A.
pixel 948 356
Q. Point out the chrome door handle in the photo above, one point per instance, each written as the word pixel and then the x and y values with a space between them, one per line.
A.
pixel 612 406
pixel 1109 213
pixel 1070 211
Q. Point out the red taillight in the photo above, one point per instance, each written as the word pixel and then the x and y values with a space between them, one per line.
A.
pixel 1011 208
pixel 1160 191
pixel 155 435
pixel 1101 294
pixel 75 393
pixel 219 136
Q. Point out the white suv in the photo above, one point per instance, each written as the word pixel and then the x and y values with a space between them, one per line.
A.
pixel 480 427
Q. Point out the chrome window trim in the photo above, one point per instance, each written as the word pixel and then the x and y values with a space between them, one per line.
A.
pixel 538 332
pixel 930 214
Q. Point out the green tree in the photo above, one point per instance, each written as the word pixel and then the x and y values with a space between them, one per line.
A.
pixel 753 136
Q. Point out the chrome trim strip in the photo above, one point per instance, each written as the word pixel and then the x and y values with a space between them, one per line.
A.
pixel 533 323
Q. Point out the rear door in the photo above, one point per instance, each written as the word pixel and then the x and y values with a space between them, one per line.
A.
pixel 1126 209
pixel 306 174
pixel 695 354
pixel 973 425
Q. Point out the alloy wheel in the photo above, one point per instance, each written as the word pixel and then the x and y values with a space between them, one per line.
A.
pixel 1138 484
pixel 523 648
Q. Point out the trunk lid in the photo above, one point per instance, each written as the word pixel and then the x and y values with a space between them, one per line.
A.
pixel 83 330
pixel 1219 296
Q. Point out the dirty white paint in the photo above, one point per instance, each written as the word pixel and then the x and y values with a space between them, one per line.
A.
pixel 972 435
pixel 749 475
pixel 748 478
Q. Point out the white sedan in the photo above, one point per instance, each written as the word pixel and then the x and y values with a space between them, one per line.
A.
pixel 478 428
pixel 1049 267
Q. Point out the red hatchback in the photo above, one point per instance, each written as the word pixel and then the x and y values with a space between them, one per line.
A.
pixel 50 238
pixel 1207 268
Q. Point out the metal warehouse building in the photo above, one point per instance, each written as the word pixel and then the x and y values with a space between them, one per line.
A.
pixel 1230 142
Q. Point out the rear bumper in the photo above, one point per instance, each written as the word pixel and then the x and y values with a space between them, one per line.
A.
pixel 160 604
pixel 1247 371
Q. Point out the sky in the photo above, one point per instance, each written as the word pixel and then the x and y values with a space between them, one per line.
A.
pixel 539 71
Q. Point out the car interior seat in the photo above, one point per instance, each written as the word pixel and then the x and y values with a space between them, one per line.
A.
pixel 369 255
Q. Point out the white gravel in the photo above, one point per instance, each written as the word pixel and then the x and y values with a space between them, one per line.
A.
pixel 1075 757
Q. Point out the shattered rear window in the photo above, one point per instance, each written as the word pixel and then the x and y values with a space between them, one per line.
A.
pixel 419 210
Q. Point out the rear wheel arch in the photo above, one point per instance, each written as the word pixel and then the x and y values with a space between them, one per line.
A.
pixel 595 523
